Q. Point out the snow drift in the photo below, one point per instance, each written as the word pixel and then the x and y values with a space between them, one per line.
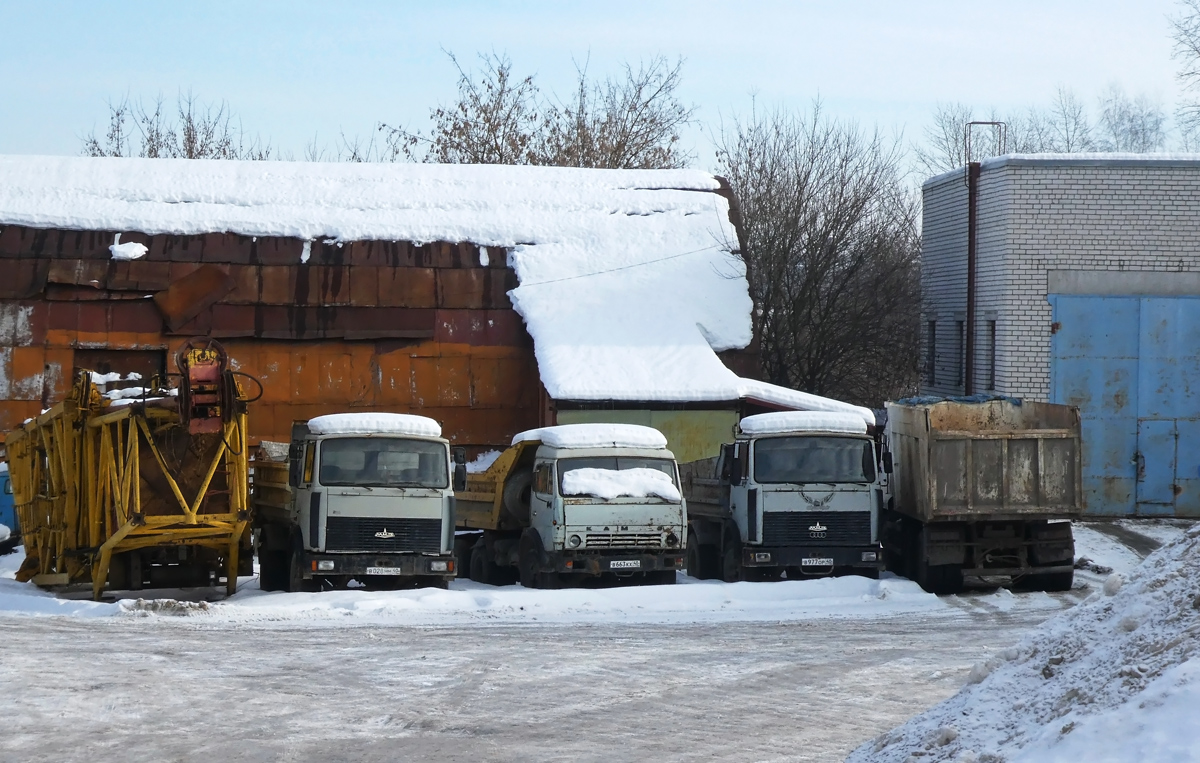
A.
pixel 1111 680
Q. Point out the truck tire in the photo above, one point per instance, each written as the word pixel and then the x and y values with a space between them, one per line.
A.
pixel 1051 582
pixel 272 567
pixel 702 560
pixel 939 579
pixel 731 563
pixel 661 577
pixel 516 495
pixel 297 583
pixel 529 558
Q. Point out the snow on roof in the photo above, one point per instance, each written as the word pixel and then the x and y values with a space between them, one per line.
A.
pixel 803 421
pixel 1094 159
pixel 595 436
pixel 629 281
pixel 375 423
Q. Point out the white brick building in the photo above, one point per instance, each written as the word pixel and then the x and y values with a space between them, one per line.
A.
pixel 1097 228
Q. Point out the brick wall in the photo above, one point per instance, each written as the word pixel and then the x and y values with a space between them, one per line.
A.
pixel 1037 216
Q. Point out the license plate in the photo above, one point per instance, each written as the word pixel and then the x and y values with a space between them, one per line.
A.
pixel 818 561
pixel 383 571
pixel 625 564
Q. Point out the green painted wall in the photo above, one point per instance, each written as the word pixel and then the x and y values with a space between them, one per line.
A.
pixel 691 435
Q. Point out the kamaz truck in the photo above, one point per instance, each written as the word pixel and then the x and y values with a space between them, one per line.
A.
pixel 795 493
pixel 366 497
pixel 570 502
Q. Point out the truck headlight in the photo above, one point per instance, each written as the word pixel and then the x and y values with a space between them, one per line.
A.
pixel 574 541
pixel 439 566
pixel 870 556
pixel 672 539
pixel 325 565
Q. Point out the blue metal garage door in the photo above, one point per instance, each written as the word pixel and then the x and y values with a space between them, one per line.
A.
pixel 1132 365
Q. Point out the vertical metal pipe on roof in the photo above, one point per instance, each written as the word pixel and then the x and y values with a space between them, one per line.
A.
pixel 973 172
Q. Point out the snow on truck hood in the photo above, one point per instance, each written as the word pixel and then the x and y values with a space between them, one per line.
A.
pixel 629 280
pixel 803 421
pixel 595 436
pixel 375 423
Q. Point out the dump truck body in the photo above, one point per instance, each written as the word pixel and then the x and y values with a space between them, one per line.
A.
pixel 537 514
pixel 984 489
pixel 134 490
pixel 365 497
pixel 795 492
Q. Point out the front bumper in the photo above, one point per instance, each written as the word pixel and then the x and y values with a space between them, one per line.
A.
pixel 795 556
pixel 615 560
pixel 400 565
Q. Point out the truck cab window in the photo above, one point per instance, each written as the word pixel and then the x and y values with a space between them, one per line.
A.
pixel 666 466
pixel 799 460
pixel 543 483
pixel 383 462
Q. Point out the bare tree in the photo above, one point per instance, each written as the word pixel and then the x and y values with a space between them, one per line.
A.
pixel 495 121
pixel 196 131
pixel 1135 125
pixel 831 251
pixel 945 146
pixel 1185 30
pixel 632 123
pixel 500 118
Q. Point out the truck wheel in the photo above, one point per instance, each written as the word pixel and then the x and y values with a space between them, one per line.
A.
pixel 702 561
pixel 516 495
pixel 463 547
pixel 731 563
pixel 661 577
pixel 477 562
pixel 296 580
pixel 1050 582
pixel 529 557
pixel 939 579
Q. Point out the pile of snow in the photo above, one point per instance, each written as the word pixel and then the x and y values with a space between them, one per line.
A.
pixel 630 281
pixel 131 250
pixel 1113 679
pixel 27 599
pixel 612 483
pixel 595 436
pixel 803 421
pixel 375 423
pixel 5 532
pixel 482 462
pixel 114 376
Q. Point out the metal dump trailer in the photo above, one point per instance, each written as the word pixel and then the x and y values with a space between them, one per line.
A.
pixel 975 488
pixel 142 489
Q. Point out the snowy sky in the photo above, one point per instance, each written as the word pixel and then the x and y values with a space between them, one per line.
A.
pixel 298 69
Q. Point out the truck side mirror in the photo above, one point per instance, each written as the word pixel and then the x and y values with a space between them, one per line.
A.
pixel 887 462
pixel 460 469
pixel 736 463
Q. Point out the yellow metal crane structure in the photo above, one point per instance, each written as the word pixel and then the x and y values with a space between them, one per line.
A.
pixel 126 491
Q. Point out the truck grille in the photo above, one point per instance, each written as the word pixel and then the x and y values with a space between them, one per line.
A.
pixel 623 540
pixel 362 534
pixel 794 528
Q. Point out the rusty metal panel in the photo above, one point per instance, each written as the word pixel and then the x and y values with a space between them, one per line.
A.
pixel 91 273
pixel 245 285
pixel 25 379
pixel 187 297
pixel 278 285
pixel 364 285
pixel 460 288
pixel 482 328
pixel 136 316
pixel 407 287
pixel 395 378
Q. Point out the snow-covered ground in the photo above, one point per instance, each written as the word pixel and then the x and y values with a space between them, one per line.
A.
pixel 801 670
pixel 1114 679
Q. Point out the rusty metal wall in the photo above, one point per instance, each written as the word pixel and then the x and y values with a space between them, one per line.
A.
pixel 375 325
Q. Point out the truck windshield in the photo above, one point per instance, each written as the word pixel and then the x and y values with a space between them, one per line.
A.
pixel 383 462
pixel 664 465
pixel 813 459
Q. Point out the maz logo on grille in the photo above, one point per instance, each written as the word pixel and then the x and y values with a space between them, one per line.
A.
pixel 817 531
pixel 385 534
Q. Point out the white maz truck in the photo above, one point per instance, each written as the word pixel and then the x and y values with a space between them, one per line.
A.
pixel 574 501
pixel 795 493
pixel 360 496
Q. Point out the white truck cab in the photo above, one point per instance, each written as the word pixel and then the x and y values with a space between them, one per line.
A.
pixel 796 492
pixel 371 499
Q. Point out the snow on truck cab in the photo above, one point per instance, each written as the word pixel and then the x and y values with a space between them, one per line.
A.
pixel 573 501
pixel 361 496
pixel 796 492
